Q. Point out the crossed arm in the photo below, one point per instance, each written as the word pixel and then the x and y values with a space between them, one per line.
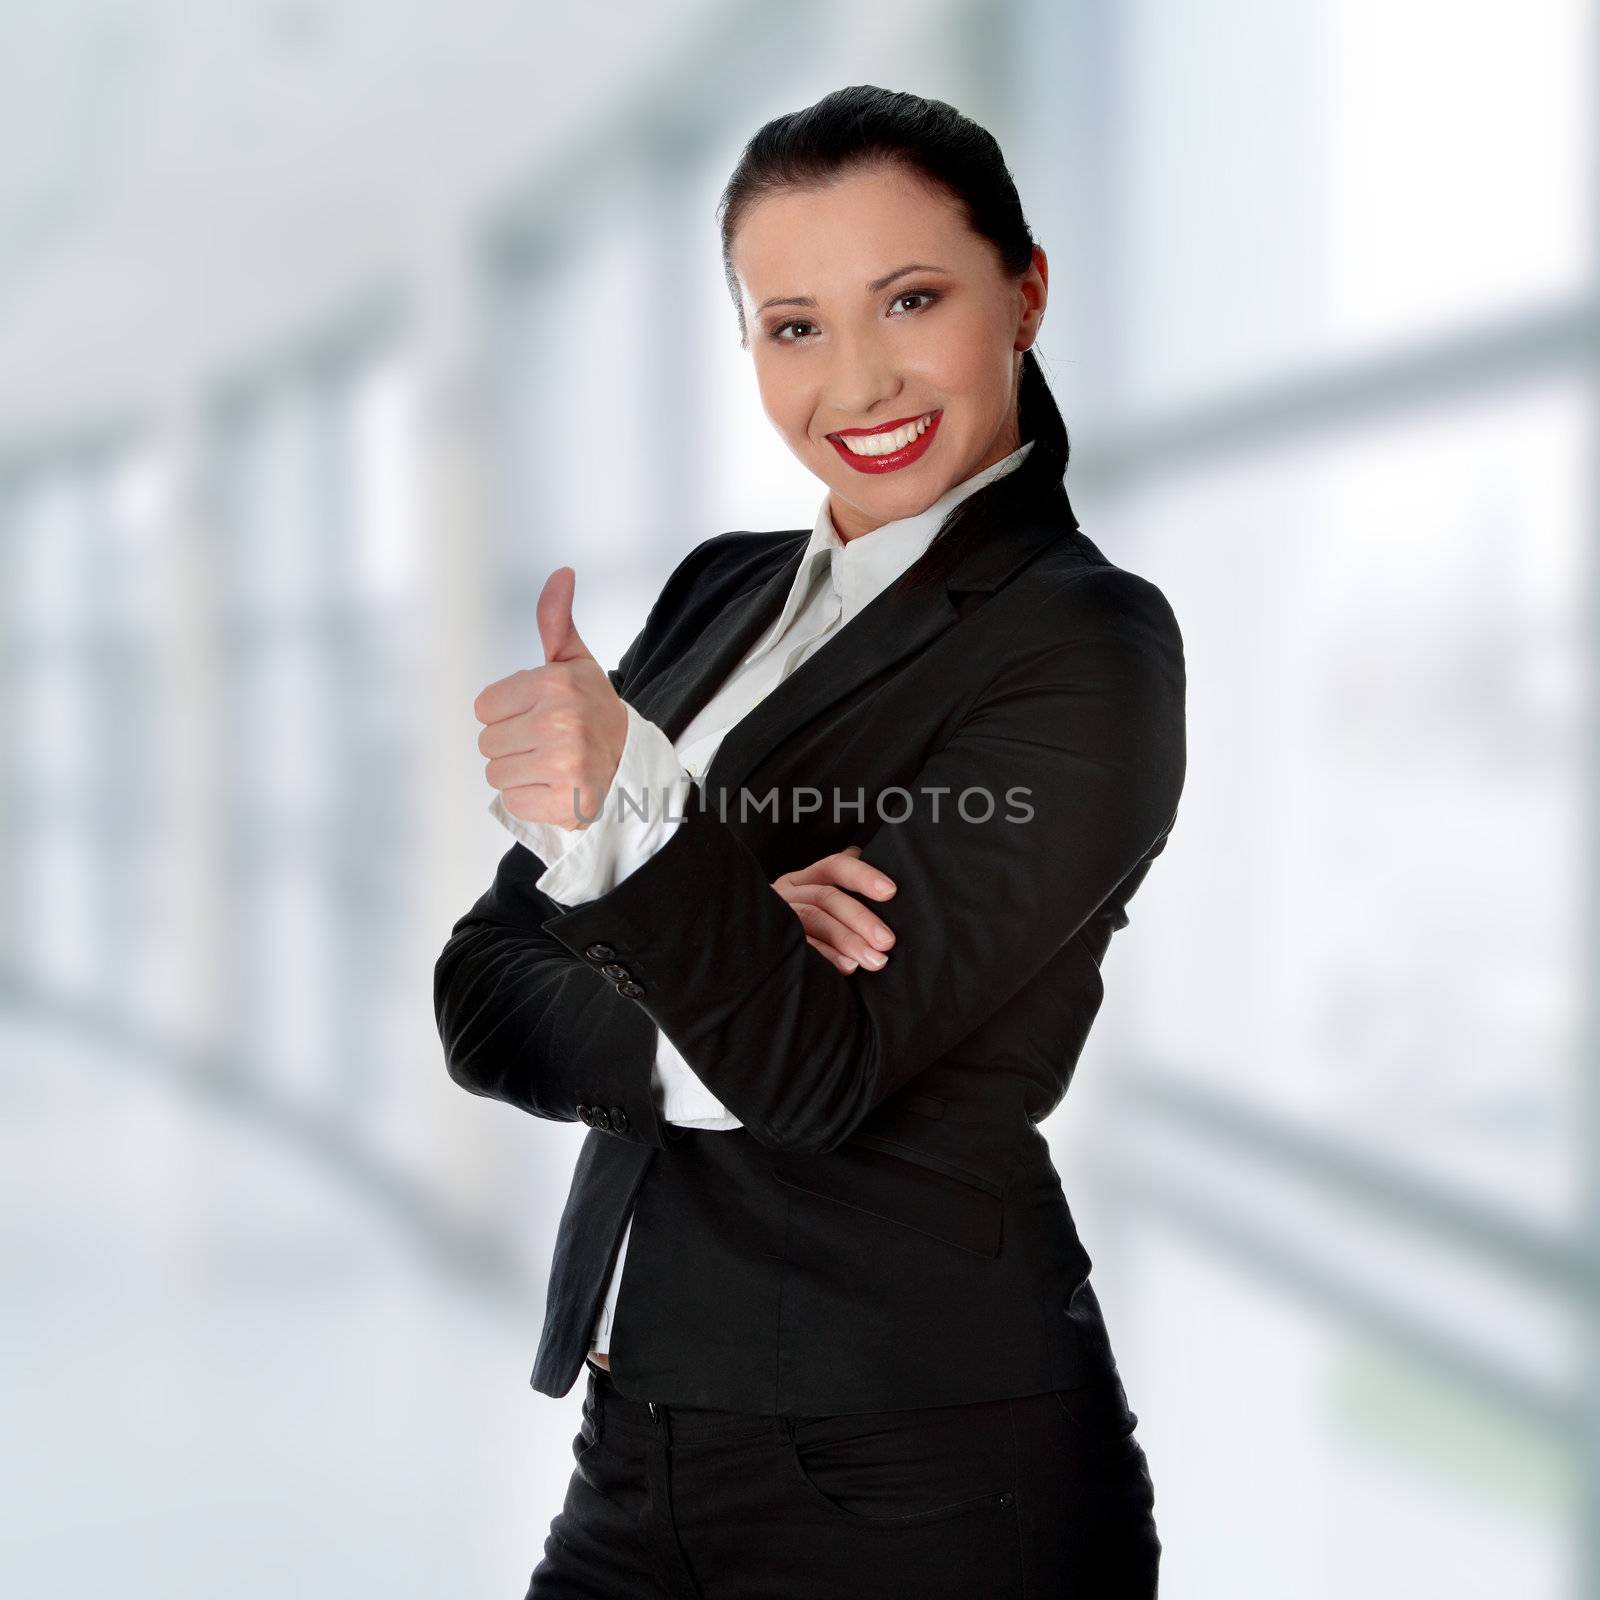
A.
pixel 1088 723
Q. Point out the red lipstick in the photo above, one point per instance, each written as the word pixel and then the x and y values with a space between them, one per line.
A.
pixel 895 459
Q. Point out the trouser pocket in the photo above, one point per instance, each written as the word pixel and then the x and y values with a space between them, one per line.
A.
pixel 904 1467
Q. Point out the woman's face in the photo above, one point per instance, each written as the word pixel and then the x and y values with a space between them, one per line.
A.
pixel 844 339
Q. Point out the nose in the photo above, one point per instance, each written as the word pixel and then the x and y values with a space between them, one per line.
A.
pixel 861 380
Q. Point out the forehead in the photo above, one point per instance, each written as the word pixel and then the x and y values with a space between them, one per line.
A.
pixel 836 238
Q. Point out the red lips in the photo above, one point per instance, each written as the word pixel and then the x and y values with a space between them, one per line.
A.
pixel 896 459
pixel 882 427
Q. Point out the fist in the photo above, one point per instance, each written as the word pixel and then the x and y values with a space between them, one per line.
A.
pixel 554 734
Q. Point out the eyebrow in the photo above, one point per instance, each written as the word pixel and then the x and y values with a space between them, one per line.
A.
pixel 872 288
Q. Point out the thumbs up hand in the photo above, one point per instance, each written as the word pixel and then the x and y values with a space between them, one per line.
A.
pixel 554 734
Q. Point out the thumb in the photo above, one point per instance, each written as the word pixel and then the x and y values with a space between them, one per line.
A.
pixel 557 632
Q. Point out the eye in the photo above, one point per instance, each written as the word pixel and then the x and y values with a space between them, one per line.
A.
pixel 778 331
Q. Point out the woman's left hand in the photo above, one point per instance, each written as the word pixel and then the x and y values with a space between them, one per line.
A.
pixel 554 734
pixel 836 925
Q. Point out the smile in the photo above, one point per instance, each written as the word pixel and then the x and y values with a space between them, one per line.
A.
pixel 887 449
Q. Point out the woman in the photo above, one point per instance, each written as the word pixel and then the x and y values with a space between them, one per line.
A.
pixel 886 787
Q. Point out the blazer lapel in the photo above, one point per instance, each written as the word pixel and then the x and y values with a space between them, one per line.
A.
pixel 893 625
pixel 673 696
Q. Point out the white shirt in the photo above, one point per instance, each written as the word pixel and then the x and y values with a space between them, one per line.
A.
pixel 835 580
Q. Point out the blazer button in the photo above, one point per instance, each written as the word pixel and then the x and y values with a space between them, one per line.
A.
pixel 619 1120
pixel 615 971
pixel 586 1114
pixel 601 1120
pixel 631 989
pixel 599 952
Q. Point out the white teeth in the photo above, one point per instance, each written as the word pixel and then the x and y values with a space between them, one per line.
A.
pixel 882 444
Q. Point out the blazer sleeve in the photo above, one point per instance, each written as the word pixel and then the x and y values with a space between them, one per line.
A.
pixel 1077 748
pixel 522 1021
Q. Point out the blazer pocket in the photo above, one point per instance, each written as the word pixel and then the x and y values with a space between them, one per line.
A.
pixel 931 1159
pixel 904 1185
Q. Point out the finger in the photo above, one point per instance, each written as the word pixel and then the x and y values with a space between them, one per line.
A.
pixel 847 869
pixel 530 802
pixel 848 872
pixel 548 769
pixel 508 697
pixel 843 963
pixel 870 931
pixel 513 733
pixel 871 938
pixel 557 631
pixel 863 878
pixel 821 921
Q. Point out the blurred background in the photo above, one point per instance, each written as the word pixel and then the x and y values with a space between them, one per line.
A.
pixel 328 330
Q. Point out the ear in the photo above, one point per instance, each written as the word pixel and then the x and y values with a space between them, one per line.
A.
pixel 1033 292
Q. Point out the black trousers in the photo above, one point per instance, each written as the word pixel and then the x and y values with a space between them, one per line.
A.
pixel 1046 1495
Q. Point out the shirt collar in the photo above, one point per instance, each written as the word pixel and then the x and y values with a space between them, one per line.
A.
pixel 860 569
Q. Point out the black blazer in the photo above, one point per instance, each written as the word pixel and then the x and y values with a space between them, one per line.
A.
pixel 887 1229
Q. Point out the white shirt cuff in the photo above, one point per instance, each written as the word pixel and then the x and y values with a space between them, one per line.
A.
pixel 641 807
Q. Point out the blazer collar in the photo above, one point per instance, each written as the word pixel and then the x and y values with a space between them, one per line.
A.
pixel 889 628
pixel 862 568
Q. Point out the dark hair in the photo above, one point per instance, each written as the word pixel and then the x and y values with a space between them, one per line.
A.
pixel 862 126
